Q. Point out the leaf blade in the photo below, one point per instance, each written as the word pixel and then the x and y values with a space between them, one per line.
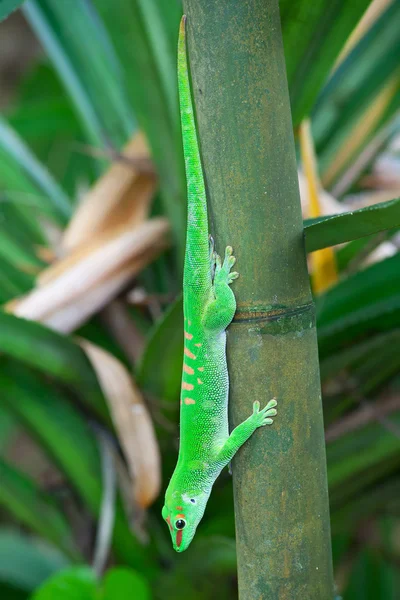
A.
pixel 337 229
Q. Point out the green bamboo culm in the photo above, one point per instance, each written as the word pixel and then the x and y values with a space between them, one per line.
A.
pixel 246 137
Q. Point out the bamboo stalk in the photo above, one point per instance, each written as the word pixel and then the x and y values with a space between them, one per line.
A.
pixel 279 476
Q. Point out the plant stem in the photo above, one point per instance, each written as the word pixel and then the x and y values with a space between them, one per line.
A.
pixel 245 130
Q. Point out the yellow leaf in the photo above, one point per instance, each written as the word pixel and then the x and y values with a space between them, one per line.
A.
pixel 323 265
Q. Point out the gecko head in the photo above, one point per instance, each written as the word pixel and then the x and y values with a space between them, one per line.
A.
pixel 183 512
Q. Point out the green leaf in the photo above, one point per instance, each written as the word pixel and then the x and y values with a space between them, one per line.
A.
pixel 367 302
pixel 17 253
pixel 8 428
pixel 364 451
pixel 26 562
pixel 159 373
pixel 13 282
pixel 121 583
pixel 337 229
pixel 313 34
pixel 36 509
pixel 152 90
pixel 350 256
pixel 8 6
pixel 26 179
pixel 12 593
pixel 77 583
pixel 44 116
pixel 52 354
pixel 78 45
pixel 67 438
pixel 17 220
pixel 357 353
pixel 373 578
pixel 345 118
pixel 374 500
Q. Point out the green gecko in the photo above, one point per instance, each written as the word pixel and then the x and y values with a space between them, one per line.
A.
pixel 209 306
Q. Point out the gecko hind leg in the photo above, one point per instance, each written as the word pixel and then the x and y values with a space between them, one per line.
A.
pixel 241 433
pixel 219 312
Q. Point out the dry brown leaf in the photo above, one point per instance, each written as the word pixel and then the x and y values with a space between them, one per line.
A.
pixel 98 242
pixel 132 423
pixel 117 319
pixel 121 194
pixel 73 279
pixel 69 318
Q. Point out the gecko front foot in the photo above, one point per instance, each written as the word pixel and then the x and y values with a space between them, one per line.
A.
pixel 219 312
pixel 244 430
pixel 223 272
pixel 262 417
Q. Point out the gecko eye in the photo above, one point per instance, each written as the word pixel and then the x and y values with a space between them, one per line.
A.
pixel 192 500
pixel 180 524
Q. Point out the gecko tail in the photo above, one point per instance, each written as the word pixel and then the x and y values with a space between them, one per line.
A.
pixel 197 259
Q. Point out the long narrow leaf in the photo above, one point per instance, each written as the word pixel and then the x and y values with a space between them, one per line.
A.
pixel 133 32
pixel 25 561
pixel 36 509
pixel 314 33
pixel 52 354
pixel 336 229
pixel 46 193
pixel 8 6
pixel 68 440
pixel 359 99
pixel 368 302
pixel 159 373
pixel 77 44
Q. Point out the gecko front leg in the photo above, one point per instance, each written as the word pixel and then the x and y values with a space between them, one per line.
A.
pixel 242 432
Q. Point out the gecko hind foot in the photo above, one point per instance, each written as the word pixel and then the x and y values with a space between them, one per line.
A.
pixel 262 417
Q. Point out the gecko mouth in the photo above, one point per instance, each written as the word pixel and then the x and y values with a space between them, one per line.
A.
pixel 179 535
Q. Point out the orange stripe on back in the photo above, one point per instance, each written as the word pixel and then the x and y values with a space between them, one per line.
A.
pixel 188 369
pixel 187 386
pixel 188 353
